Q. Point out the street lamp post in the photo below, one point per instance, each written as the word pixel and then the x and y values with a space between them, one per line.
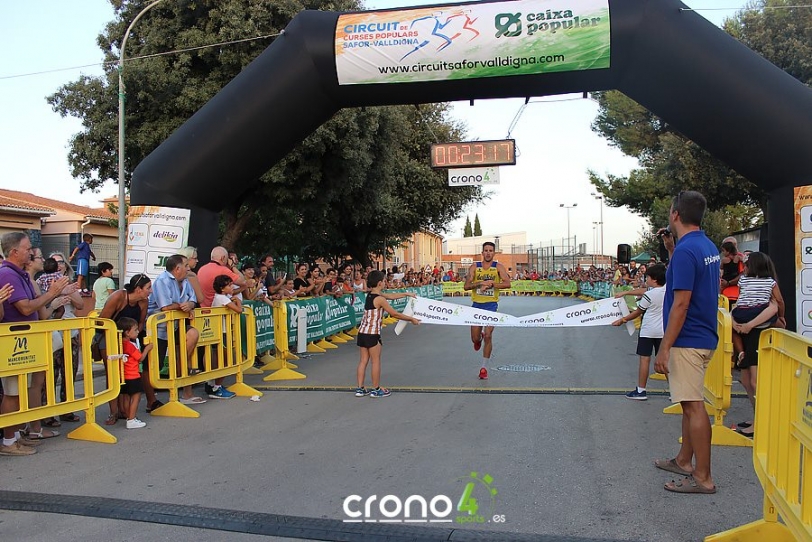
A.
pixel 569 246
pixel 595 236
pixel 601 222
pixel 122 195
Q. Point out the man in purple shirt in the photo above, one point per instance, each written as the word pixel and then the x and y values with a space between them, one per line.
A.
pixel 23 306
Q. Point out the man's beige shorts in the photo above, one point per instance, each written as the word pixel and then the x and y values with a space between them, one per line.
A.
pixel 686 373
pixel 11 387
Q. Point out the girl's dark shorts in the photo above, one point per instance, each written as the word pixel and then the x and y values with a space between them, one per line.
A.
pixel 646 344
pixel 131 387
pixel 365 340
pixel 745 314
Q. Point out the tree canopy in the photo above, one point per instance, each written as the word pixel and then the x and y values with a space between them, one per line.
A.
pixel 669 162
pixel 358 184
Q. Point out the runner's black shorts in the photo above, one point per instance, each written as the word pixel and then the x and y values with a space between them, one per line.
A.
pixel 366 340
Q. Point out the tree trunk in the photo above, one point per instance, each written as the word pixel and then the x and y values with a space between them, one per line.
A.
pixel 236 222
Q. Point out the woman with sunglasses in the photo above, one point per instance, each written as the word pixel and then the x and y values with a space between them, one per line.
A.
pixel 131 302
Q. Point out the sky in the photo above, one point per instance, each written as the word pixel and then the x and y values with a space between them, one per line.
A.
pixel 555 143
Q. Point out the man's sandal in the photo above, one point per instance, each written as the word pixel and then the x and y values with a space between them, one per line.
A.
pixel 42 434
pixel 111 419
pixel 689 485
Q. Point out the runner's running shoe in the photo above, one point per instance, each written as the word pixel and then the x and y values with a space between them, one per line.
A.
pixel 483 374
pixel 380 392
pixel 477 345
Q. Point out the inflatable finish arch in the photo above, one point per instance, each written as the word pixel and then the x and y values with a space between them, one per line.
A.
pixel 726 98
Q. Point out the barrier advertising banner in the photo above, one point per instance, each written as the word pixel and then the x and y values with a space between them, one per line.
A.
pixel 803 259
pixel 482 39
pixel 263 313
pixel 153 234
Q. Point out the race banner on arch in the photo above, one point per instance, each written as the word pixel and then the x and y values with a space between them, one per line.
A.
pixel 483 39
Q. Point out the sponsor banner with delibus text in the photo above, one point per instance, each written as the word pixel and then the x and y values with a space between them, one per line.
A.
pixel 464 41
pixel 154 234
pixel 595 313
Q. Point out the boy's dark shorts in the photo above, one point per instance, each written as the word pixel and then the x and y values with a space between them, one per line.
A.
pixel 365 340
pixel 646 344
pixel 131 387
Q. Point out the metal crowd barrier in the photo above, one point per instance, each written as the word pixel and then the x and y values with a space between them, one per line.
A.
pixel 221 330
pixel 782 451
pixel 27 348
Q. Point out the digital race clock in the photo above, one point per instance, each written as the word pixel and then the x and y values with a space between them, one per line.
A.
pixel 473 154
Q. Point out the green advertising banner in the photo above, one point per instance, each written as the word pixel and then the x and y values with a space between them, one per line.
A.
pixel 464 41
pixel 337 314
pixel 358 307
pixel 315 309
pixel 400 304
pixel 449 288
pixel 264 317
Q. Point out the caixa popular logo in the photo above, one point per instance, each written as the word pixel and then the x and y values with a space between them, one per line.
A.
pixel 477 492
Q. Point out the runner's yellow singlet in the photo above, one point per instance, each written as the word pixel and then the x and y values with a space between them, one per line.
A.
pixel 485 295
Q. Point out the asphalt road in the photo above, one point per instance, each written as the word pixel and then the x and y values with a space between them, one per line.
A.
pixel 568 456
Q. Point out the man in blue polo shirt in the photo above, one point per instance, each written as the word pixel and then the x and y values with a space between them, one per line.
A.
pixel 689 320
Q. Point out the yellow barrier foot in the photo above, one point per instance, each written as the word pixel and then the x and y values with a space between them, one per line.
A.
pixel 657 376
pixel 326 345
pixel 725 436
pixel 284 374
pixel 352 332
pixel 290 356
pixel 338 339
pixel 343 335
pixel 273 365
pixel 92 432
pixel 252 371
pixel 243 390
pixel 758 531
pixel 266 358
pixel 313 349
pixel 175 409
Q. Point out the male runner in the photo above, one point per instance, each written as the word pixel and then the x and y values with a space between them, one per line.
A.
pixel 485 279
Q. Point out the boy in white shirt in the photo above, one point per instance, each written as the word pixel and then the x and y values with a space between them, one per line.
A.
pixel 223 286
pixel 650 307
